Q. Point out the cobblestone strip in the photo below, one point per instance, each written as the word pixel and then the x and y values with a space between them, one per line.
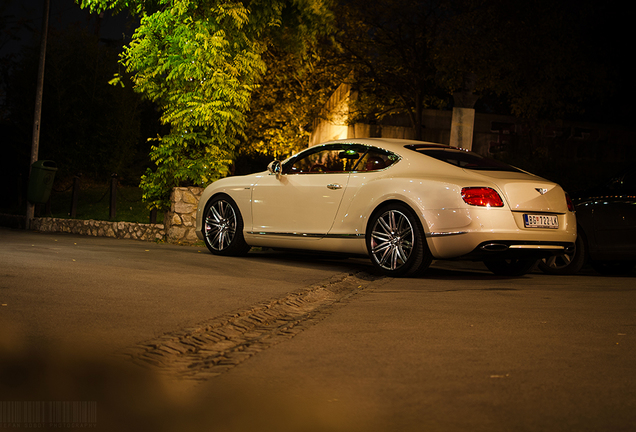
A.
pixel 214 347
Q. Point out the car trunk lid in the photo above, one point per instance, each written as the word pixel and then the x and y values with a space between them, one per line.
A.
pixel 528 193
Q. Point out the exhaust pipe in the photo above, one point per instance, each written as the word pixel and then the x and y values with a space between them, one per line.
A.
pixel 494 247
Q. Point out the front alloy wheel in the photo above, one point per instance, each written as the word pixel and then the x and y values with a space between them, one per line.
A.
pixel 396 242
pixel 223 228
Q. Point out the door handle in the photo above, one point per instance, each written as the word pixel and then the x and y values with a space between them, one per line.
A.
pixel 334 186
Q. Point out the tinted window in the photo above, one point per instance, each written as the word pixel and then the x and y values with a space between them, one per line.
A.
pixel 376 159
pixel 332 158
pixel 463 158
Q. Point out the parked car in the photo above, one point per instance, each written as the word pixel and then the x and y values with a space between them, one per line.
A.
pixel 402 203
pixel 606 217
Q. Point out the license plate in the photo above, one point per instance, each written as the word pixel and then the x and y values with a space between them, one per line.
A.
pixel 540 221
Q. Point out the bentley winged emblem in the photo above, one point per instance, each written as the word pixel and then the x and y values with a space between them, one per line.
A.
pixel 542 191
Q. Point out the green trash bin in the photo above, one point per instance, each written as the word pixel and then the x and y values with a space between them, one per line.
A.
pixel 41 181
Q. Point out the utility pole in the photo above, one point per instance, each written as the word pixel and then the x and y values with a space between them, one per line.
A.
pixel 35 143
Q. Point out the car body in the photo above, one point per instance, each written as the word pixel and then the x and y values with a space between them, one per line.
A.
pixel 402 203
pixel 606 217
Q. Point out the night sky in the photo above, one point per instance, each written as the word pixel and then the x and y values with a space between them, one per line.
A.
pixel 63 14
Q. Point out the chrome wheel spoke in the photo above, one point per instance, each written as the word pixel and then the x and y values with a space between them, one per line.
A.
pixel 394 258
pixel 386 254
pixel 382 247
pixel 401 253
pixel 215 214
pixel 386 228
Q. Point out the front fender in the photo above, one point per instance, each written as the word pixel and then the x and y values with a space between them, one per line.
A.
pixel 238 188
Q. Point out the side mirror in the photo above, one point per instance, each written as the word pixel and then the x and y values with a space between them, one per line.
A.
pixel 275 167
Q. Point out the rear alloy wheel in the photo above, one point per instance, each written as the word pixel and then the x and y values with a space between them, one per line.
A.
pixel 396 242
pixel 565 264
pixel 510 267
pixel 223 227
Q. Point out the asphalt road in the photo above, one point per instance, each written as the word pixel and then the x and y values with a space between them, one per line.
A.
pixel 68 289
pixel 456 350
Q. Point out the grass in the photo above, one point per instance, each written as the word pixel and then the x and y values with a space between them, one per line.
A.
pixel 94 203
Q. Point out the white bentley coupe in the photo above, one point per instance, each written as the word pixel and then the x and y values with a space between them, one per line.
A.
pixel 401 203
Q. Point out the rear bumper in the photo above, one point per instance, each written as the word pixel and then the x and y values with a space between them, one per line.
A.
pixel 495 232
pixel 507 249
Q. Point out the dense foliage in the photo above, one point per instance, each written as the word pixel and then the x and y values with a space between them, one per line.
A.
pixel 537 55
pixel 535 60
pixel 200 61
pixel 388 46
pixel 288 101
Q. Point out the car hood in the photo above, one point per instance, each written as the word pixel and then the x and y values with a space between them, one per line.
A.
pixel 527 192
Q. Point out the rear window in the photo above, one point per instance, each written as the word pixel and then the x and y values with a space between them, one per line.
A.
pixel 463 158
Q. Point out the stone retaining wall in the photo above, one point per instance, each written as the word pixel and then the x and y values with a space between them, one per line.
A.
pixel 181 220
pixel 124 230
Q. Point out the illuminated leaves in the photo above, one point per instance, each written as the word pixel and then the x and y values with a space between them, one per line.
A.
pixel 290 98
pixel 200 61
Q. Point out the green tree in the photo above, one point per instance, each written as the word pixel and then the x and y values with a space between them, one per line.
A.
pixel 388 46
pixel 289 99
pixel 531 59
pixel 200 61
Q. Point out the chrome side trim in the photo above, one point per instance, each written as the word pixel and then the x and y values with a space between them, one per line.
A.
pixel 306 235
pixel 340 236
pixel 286 234
pixel 345 236
pixel 444 234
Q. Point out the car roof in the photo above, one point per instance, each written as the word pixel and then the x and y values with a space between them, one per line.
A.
pixel 395 145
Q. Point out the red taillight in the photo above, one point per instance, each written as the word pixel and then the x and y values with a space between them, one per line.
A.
pixel 569 201
pixel 481 196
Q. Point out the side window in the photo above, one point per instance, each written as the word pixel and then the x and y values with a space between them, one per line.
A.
pixel 328 159
pixel 376 159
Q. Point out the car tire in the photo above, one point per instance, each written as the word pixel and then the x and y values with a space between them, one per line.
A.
pixel 566 264
pixel 510 267
pixel 396 242
pixel 223 227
